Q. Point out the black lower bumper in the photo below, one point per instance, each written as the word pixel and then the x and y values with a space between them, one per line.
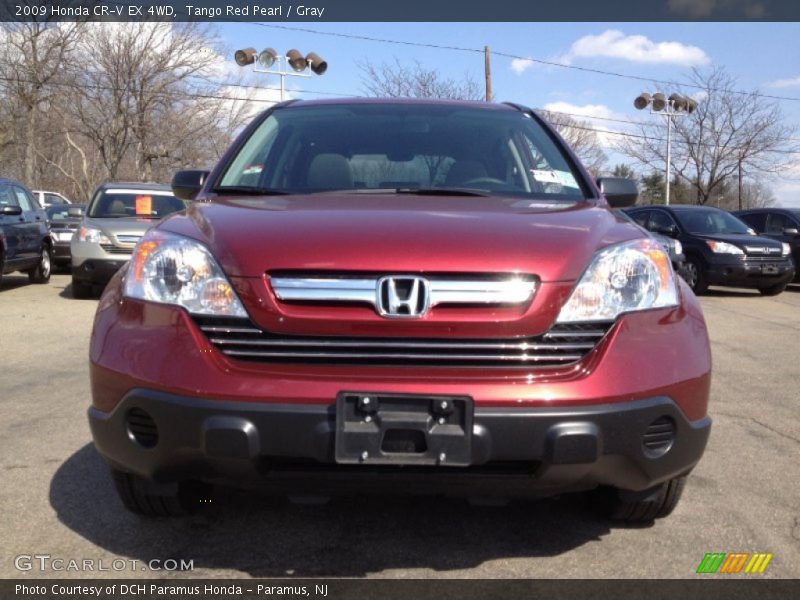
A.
pixel 539 451
pixel 97 272
pixel 61 252
pixel 751 273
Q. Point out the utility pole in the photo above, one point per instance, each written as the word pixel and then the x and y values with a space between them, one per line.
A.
pixel 669 158
pixel 740 184
pixel 487 68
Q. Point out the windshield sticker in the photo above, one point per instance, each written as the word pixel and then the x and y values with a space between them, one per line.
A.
pixel 253 170
pixel 144 205
pixel 545 176
pixel 567 179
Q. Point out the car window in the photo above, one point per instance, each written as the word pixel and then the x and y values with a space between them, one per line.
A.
pixel 711 221
pixel 661 221
pixel 7 197
pixel 777 222
pixel 53 199
pixel 642 218
pixel 141 204
pixel 60 212
pixel 23 199
pixel 755 220
pixel 385 147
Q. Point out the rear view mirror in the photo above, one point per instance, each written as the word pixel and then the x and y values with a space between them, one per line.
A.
pixel 618 191
pixel 11 211
pixel 790 231
pixel 187 184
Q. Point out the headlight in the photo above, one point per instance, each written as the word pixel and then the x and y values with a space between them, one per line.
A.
pixel 678 247
pixel 172 269
pixel 92 235
pixel 785 249
pixel 626 277
pixel 724 247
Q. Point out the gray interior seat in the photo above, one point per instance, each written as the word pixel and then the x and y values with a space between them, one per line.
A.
pixel 330 171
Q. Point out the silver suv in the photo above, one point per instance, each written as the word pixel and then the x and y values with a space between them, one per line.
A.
pixel 117 216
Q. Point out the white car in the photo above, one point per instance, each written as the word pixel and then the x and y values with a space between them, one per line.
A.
pixel 46 199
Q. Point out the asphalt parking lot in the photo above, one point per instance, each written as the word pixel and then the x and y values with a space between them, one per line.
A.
pixel 58 500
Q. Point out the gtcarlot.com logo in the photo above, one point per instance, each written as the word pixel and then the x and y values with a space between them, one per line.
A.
pixel 734 562
pixel 47 562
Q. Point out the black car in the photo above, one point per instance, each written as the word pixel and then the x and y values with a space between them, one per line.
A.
pixel 720 249
pixel 781 224
pixel 25 243
pixel 65 219
pixel 673 247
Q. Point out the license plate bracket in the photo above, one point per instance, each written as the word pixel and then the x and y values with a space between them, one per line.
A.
pixel 769 269
pixel 403 429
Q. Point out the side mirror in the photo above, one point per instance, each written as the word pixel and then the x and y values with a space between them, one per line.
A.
pixel 11 211
pixel 791 231
pixel 187 184
pixel 618 191
pixel 75 212
pixel 670 231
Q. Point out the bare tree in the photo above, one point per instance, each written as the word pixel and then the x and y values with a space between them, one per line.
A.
pixel 398 80
pixel 33 56
pixel 581 137
pixel 728 130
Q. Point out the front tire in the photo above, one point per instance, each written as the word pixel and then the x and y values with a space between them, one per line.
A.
pixel 773 290
pixel 637 508
pixel 41 272
pixel 695 276
pixel 148 499
pixel 81 291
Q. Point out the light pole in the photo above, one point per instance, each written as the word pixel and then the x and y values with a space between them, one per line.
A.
pixel 669 108
pixel 264 61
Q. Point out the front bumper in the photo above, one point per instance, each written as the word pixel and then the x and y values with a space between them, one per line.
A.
pixel 538 451
pixel 96 272
pixel 751 273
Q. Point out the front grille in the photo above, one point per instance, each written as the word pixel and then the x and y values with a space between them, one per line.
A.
pixel 112 249
pixel 562 345
pixel 128 239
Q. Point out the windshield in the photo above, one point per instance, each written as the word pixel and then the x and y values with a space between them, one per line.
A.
pixel 60 212
pixel 141 204
pixel 390 148
pixel 711 221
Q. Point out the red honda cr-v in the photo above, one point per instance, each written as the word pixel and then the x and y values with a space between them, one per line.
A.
pixel 426 295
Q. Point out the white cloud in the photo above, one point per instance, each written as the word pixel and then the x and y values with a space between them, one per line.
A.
pixel 520 65
pixel 785 83
pixel 595 115
pixel 788 195
pixel 613 43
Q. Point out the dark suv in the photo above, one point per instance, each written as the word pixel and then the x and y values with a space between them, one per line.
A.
pixel 25 243
pixel 720 249
pixel 781 224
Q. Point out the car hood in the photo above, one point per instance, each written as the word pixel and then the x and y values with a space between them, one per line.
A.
pixel 400 234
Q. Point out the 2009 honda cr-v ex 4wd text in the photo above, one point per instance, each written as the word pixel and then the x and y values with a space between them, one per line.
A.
pixel 400 295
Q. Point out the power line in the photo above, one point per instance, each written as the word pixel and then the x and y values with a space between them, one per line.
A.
pixel 195 94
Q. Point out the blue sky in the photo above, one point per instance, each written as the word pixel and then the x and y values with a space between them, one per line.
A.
pixel 760 55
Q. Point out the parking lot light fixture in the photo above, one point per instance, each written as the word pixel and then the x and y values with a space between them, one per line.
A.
pixel 669 108
pixel 293 63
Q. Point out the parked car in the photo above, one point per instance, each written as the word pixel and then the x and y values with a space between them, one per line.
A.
pixel 65 219
pixel 47 199
pixel 117 216
pixel 673 247
pixel 720 249
pixel 418 295
pixel 781 224
pixel 25 243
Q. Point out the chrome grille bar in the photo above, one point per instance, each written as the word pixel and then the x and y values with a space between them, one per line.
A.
pixel 513 290
pixel 562 345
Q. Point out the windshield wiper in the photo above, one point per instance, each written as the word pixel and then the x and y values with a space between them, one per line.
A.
pixel 249 190
pixel 442 191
